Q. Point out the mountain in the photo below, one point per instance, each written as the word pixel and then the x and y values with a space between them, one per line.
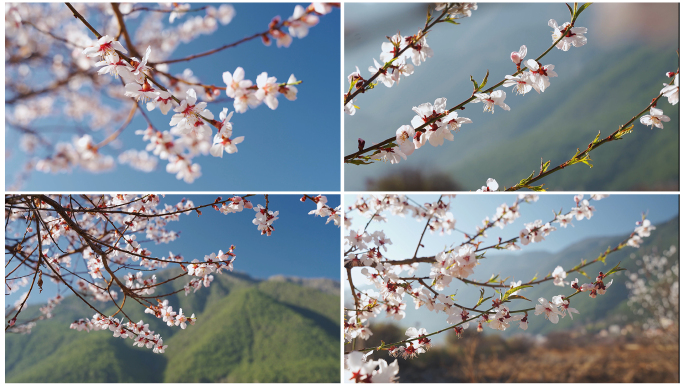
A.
pixel 598 312
pixel 247 330
pixel 602 91
pixel 646 159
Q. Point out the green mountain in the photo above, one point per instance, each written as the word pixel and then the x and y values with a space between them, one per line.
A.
pixel 605 98
pixel 279 330
pixel 602 92
pixel 599 312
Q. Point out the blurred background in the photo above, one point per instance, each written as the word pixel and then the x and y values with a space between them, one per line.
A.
pixel 599 86
pixel 630 334
pixel 276 141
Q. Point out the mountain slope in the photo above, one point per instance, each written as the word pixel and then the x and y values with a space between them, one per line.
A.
pixel 247 330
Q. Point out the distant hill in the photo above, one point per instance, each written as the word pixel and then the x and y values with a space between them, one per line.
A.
pixel 605 98
pixel 247 331
pixel 602 92
pixel 599 312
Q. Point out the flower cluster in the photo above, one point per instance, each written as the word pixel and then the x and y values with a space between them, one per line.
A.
pixel 657 276
pixel 396 53
pixel 145 78
pixel 359 369
pixel 264 219
pixel 323 210
pixel 394 280
pixel 138 332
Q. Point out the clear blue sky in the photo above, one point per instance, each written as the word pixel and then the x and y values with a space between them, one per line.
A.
pixel 614 215
pixel 294 148
pixel 301 245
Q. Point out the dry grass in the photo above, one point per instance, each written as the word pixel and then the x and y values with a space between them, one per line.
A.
pixel 564 357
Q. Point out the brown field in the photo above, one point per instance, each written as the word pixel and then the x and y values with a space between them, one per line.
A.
pixel 562 357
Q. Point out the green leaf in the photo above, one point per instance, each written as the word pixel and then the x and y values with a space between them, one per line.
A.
pixel 570 9
pixel 482 299
pixel 449 21
pixel 583 273
pixel 517 296
pixel 484 81
pixel 493 279
pixel 536 188
pixel 581 9
pixel 597 138
pixel 615 269
pixel 545 166
pixel 513 290
pixel 603 256
pixel 583 159
pixel 527 180
pixel 623 132
pixel 475 87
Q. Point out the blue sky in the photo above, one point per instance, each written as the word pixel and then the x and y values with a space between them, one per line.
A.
pixel 614 215
pixel 301 245
pixel 294 148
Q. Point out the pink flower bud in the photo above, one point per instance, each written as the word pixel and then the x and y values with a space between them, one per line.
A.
pixel 515 57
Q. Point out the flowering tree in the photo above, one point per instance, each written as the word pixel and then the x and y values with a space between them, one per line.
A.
pixel 654 290
pixel 436 122
pixel 46 236
pixel 61 67
pixel 500 304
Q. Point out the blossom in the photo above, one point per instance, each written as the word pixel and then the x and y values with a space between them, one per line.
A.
pixel 549 310
pixel 384 77
pixel 644 230
pixel 106 46
pixel 357 369
pixel 223 142
pixel 420 50
pixel 289 90
pixel 540 74
pixel 391 49
pixel 405 135
pixel 268 90
pixel 163 100
pixel 141 91
pixel 190 116
pixel 564 305
pixel 492 185
pixel 655 118
pixel 575 37
pixel 300 22
pixel 516 57
pixel 671 92
pixel 389 154
pixel 558 275
pixel 236 84
pixel 523 83
pixel 496 98
pixel 350 108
